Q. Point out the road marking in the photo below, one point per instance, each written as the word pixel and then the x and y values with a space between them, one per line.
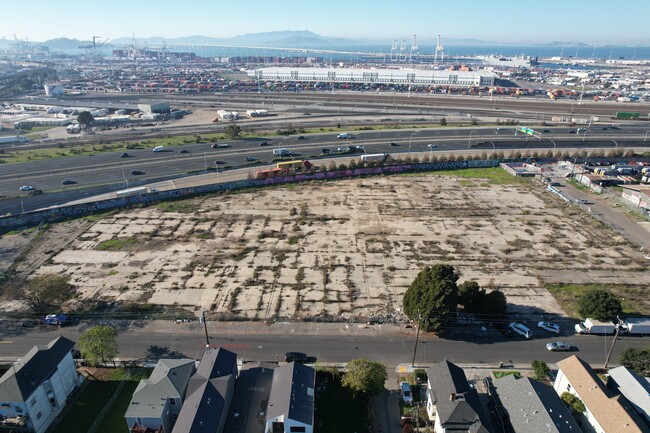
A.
pixel 6 341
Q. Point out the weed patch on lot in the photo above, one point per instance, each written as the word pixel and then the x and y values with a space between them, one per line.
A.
pixel 634 298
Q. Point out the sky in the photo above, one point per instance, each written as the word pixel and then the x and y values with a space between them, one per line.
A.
pixel 513 21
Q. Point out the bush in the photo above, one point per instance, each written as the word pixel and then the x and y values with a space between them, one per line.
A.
pixel 443 121
pixel 573 402
pixel 541 370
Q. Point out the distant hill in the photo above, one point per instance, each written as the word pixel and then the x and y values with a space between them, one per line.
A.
pixel 65 43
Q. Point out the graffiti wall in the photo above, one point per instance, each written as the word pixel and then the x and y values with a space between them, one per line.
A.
pixel 30 219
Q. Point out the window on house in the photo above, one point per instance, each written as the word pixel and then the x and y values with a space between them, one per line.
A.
pixel 18 409
pixel 175 416
pixel 39 415
pixel 297 429
pixel 568 388
pixel 172 401
pixel 33 402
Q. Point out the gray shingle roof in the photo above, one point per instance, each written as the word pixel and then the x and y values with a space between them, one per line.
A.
pixel 207 391
pixel 169 379
pixel 534 407
pixel 634 388
pixel 292 393
pixel 20 381
pixel 458 405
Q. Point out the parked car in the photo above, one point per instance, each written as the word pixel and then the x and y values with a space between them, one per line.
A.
pixel 68 182
pixel 251 158
pixel 558 346
pixel 405 388
pixel 521 329
pixel 550 327
pixel 26 188
pixel 295 357
pixel 137 172
pixel 124 155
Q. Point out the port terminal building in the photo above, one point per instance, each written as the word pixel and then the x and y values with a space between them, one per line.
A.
pixel 416 77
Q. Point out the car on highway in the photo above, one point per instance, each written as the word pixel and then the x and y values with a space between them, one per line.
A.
pixel 219 162
pixel 251 158
pixel 301 137
pixel 558 346
pixel 431 146
pixel 325 151
pixel 26 188
pixel 405 389
pixel 394 144
pixel 69 182
pixel 295 357
pixel 137 172
pixel 263 143
pixel 183 151
pixel 550 327
pixel 124 155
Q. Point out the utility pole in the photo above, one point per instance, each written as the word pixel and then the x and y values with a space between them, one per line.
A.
pixel 205 328
pixel 619 325
pixel 417 336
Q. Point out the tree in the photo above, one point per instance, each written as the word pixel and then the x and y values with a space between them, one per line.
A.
pixel 541 370
pixel 476 300
pixel 443 121
pixel 433 297
pixel 46 291
pixel 85 119
pixel 636 359
pixel 98 344
pixel 573 402
pixel 365 378
pixel 232 131
pixel 599 304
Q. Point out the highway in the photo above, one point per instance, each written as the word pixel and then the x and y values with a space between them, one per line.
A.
pixel 110 169
pixel 469 345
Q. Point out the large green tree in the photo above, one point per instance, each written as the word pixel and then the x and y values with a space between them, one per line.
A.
pixel 365 378
pixel 636 359
pixel 599 304
pixel 45 292
pixel 232 131
pixel 433 297
pixel 85 119
pixel 98 345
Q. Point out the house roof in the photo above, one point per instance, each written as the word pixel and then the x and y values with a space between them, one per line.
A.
pixel 534 407
pixel 633 387
pixel 612 414
pixel 168 380
pixel 20 381
pixel 457 404
pixel 207 393
pixel 292 393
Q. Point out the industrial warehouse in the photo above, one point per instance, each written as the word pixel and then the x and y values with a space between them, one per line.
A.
pixel 381 76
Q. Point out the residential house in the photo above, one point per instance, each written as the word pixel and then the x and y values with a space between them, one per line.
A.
pixel 291 402
pixel 604 412
pixel 34 391
pixel 452 404
pixel 635 389
pixel 528 406
pixel 157 401
pixel 209 394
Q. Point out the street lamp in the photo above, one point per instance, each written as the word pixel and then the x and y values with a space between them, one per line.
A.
pixel 126 182
pixel 645 136
pixel 205 159
pixel 585 135
pixel 469 144
pixel 554 145
pixel 494 148
pixel 410 139
pixel 615 144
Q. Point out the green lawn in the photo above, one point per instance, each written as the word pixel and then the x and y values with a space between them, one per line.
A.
pixel 336 411
pixel 89 404
pixel 499 374
pixel 494 175
pixel 634 298
pixel 114 421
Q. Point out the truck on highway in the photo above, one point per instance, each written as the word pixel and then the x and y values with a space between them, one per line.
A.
pixel 636 326
pixel 220 145
pixel 132 191
pixel 13 139
pixel 374 157
pixel 592 326
pixel 282 151
pixel 343 135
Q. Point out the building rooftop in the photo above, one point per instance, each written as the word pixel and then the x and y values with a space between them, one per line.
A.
pixel 635 389
pixel 292 393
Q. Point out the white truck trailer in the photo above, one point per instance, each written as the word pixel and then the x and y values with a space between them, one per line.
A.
pixel 636 326
pixel 282 151
pixel 132 191
pixel 592 326
pixel 13 139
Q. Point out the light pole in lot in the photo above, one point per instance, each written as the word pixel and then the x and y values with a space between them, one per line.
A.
pixel 410 139
pixel 469 143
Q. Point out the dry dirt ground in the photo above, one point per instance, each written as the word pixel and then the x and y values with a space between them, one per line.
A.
pixel 340 249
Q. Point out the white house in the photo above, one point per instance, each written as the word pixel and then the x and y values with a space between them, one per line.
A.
pixel 291 402
pixel 604 412
pixel 34 391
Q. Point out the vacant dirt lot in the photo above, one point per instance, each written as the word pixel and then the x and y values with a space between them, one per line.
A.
pixel 342 249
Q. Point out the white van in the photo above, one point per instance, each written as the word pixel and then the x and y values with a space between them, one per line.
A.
pixel 343 135
pixel 521 330
pixel 159 149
